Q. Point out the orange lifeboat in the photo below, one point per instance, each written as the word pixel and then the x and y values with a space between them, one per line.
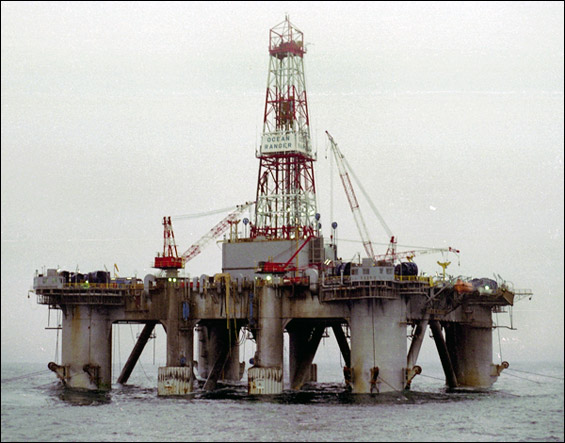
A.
pixel 463 286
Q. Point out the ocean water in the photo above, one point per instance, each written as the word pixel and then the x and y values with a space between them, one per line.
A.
pixel 526 404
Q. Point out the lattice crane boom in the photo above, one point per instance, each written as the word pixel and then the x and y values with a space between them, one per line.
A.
pixel 214 233
pixel 352 198
pixel 410 254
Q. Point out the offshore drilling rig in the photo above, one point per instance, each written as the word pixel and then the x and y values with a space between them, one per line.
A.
pixel 280 275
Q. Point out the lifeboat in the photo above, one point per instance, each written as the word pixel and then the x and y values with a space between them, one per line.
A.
pixel 463 286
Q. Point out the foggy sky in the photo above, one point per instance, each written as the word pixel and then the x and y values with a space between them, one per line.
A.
pixel 117 114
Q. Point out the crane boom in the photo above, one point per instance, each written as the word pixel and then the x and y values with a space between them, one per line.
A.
pixel 280 268
pixel 214 233
pixel 391 255
pixel 371 204
pixel 409 254
pixel 352 198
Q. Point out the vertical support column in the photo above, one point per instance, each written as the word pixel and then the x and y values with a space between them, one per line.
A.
pixel 378 345
pixel 203 345
pixel 177 377
pixel 222 352
pixel 172 326
pixel 304 340
pixel 266 375
pixel 86 356
pixel 470 348
pixel 186 345
pixel 218 352
pixel 232 367
pixel 214 340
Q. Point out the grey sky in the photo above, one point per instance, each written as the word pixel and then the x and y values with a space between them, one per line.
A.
pixel 116 114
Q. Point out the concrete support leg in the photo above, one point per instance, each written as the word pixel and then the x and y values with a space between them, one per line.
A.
pixel 177 377
pixel 218 353
pixel 222 353
pixel 450 377
pixel 179 346
pixel 214 339
pixel 232 367
pixel 304 339
pixel 378 345
pixel 86 360
pixel 203 345
pixel 136 352
pixel 470 348
pixel 186 345
pixel 266 375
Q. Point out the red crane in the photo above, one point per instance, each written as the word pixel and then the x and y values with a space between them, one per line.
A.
pixel 170 258
pixel 214 233
pixel 281 268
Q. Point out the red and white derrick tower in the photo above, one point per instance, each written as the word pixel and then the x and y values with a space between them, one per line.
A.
pixel 286 193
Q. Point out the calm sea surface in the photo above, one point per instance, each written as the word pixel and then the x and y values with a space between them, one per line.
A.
pixel 522 406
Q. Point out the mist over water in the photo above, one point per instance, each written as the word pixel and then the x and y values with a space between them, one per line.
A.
pixel 522 406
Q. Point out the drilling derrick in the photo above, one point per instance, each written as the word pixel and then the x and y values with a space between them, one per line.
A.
pixel 286 196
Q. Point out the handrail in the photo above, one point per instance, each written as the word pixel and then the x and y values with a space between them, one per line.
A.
pixel 415 278
pixel 85 285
